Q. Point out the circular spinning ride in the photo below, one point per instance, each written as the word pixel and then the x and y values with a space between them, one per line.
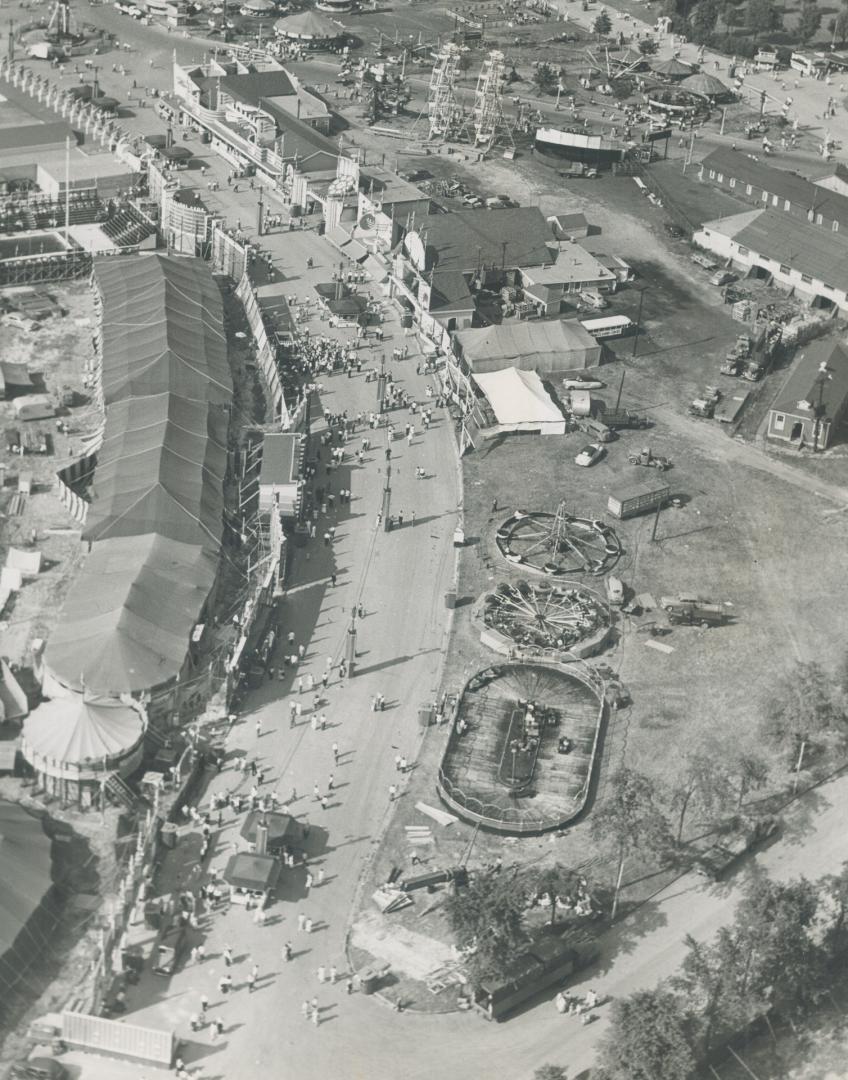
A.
pixel 559 543
pixel 545 615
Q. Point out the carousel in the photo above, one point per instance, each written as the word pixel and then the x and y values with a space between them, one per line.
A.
pixel 559 543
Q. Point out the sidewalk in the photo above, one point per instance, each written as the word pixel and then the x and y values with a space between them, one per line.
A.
pixel 400 578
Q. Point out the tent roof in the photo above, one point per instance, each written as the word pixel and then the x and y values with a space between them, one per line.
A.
pixel 127 618
pixel 705 84
pixel 672 66
pixel 309 24
pixel 25 856
pixel 162 329
pixel 519 400
pixel 509 341
pixel 75 728
pixel 161 466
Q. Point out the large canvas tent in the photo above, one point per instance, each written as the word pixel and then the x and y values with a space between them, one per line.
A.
pixel 77 728
pixel 529 346
pixel 520 402
pixel 156 519
pixel 26 892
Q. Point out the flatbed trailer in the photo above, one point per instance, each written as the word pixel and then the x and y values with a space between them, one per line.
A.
pixel 729 409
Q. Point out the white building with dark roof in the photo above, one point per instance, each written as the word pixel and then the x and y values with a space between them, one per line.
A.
pixel 809 262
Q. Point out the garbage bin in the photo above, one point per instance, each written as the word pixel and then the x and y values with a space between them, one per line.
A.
pixel 450 599
pixel 368 980
pixel 169 834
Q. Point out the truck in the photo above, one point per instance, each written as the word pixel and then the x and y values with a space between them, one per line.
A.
pixel 637 499
pixel 689 610
pixel 623 418
pixel 547 963
pixel 715 861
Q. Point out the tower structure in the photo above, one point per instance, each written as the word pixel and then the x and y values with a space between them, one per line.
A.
pixel 444 111
pixel 61 19
pixel 490 125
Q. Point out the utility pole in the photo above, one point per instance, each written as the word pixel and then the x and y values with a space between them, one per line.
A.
pixel 620 388
pixel 350 642
pixel 260 223
pixel 67 186
pixel 656 522
pixel 387 494
pixel 638 321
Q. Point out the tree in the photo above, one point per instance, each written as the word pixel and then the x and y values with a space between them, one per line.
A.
pixel 748 771
pixel 555 881
pixel 809 20
pixel 775 929
pixel 630 821
pixel 545 78
pixel 602 25
pixel 464 62
pixel 834 889
pixel 711 980
pixel 703 19
pixel 762 16
pixel 648 1039
pixel 647 46
pixel 805 712
pixel 488 916
pixel 702 779
pixel 550 1072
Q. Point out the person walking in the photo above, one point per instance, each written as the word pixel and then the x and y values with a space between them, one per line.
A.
pixel 320 875
pixel 398 760
pixel 392 792
pixel 228 956
pixel 304 1008
pixel 350 985
pixel 287 952
pixel 307 926
pixel 316 794
pixel 301 921
pixel 324 803
pixel 225 984
pixel 403 765
pixel 322 974
pixel 330 782
pixel 307 883
pixel 204 1003
pixel 251 982
pixel 335 753
pixel 333 973
pixel 300 684
pixel 218 1026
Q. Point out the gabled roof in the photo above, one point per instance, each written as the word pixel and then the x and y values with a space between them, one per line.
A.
pixel 510 238
pixel 803 194
pixel 820 254
pixel 251 88
pixel 819 378
pixel 280 458
pixel 449 293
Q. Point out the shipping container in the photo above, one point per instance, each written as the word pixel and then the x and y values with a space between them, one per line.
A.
pixel 637 498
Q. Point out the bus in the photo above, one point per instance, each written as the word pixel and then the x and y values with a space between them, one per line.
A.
pixel 611 326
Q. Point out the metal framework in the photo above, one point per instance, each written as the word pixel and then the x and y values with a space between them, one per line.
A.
pixel 445 113
pixel 61 21
pixel 490 125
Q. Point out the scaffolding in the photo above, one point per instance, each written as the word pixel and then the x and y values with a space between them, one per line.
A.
pixel 446 115
pixel 490 124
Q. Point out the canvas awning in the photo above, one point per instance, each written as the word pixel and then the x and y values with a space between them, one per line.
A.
pixel 520 402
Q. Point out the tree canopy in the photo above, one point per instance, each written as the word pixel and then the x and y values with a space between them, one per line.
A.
pixel 762 16
pixel 629 818
pixel 806 709
pixel 809 20
pixel 488 916
pixel 602 24
pixel 648 1039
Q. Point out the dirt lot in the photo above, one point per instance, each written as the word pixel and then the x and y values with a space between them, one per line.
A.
pixel 55 355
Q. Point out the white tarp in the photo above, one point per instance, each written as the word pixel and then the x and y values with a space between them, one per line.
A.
pixel 520 401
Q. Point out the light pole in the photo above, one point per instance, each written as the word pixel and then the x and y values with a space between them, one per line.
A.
pixel 387 492
pixel 350 642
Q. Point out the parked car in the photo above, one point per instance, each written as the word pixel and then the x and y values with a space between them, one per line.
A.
pixel 39 1068
pixel 723 277
pixel 590 454
pixel 577 383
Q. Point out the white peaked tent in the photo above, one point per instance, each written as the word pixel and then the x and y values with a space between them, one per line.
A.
pixel 520 402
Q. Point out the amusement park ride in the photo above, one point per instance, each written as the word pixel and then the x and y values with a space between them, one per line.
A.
pixel 559 543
